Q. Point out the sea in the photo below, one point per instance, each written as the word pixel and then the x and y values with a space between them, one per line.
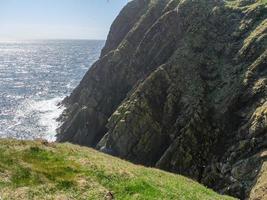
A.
pixel 35 76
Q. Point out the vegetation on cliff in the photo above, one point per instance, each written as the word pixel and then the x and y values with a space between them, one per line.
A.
pixel 183 87
pixel 41 170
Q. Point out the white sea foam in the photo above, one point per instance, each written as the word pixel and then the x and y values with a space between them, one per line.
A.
pixel 44 113
pixel 50 111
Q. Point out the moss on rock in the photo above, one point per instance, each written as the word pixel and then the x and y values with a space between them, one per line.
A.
pixel 182 87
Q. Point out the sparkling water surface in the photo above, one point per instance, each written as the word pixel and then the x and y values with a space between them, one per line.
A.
pixel 34 77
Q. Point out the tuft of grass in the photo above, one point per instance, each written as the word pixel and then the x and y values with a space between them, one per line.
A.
pixel 32 170
pixel 242 4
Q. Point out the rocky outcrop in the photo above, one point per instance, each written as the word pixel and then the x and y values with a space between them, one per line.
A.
pixel 181 85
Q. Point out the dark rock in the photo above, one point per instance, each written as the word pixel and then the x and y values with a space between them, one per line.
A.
pixel 181 85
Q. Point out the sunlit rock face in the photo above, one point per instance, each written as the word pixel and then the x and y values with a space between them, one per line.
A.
pixel 181 85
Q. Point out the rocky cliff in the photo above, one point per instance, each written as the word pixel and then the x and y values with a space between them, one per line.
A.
pixel 181 85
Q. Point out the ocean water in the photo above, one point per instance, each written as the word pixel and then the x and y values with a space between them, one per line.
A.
pixel 34 77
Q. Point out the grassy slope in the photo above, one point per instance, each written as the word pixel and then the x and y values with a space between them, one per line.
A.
pixel 36 170
pixel 258 191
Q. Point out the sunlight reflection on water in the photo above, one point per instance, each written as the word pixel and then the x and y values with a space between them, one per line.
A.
pixel 34 77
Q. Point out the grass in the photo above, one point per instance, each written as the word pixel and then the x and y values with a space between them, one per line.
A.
pixel 36 170
pixel 247 4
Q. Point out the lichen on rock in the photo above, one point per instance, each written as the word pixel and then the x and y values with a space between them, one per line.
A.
pixel 181 85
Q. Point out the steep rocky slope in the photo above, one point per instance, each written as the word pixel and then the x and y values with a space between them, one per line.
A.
pixel 181 85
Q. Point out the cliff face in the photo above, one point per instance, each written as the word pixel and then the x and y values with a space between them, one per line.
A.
pixel 181 85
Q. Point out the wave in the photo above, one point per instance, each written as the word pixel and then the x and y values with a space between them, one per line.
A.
pixel 37 119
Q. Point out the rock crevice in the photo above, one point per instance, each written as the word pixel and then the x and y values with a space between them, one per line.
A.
pixel 181 85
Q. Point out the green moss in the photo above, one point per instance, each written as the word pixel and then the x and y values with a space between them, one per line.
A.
pixel 246 5
pixel 255 36
pixel 31 170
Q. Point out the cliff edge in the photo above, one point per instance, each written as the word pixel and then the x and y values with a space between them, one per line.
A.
pixel 38 170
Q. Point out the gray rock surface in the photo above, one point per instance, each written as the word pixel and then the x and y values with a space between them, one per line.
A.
pixel 181 85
